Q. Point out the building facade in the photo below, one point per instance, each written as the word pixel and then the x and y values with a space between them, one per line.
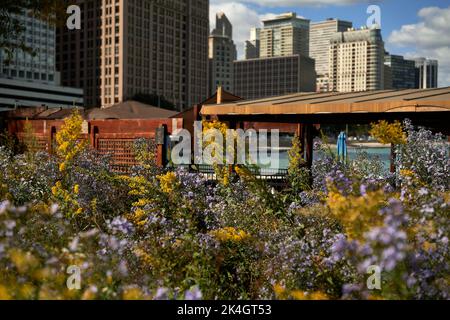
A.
pixel 402 72
pixel 222 53
pixel 39 67
pixel 388 81
pixel 29 78
pixel 284 35
pixel 356 61
pixel 319 44
pixel 426 73
pixel 18 93
pixel 252 46
pixel 133 47
pixel 78 52
pixel 267 77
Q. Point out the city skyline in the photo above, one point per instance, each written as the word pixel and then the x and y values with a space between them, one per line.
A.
pixel 124 49
pixel 143 52
pixel 415 33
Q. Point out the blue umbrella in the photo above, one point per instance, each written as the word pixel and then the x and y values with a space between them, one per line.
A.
pixel 342 146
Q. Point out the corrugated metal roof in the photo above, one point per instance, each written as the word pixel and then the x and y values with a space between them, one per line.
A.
pixel 410 100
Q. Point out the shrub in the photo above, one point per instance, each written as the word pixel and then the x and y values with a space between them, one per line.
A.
pixel 163 234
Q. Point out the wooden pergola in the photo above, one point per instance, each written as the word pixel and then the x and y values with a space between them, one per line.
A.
pixel 425 107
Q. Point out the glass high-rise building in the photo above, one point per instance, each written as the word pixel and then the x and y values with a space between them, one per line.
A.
pixel 39 67
pixel 426 73
pixel 222 53
pixel 28 78
pixel 402 71
pixel 252 46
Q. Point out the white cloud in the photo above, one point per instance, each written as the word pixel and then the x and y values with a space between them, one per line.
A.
pixel 242 17
pixel 430 38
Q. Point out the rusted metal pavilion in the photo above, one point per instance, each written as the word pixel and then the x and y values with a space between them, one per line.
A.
pixel 425 107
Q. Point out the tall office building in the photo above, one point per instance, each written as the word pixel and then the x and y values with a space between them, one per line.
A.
pixel 252 46
pixel 130 47
pixel 319 45
pixel 275 76
pixel 40 67
pixel 402 70
pixel 222 53
pixel 426 73
pixel 357 60
pixel 30 79
pixel 223 28
pixel 78 52
pixel 284 35
pixel 388 81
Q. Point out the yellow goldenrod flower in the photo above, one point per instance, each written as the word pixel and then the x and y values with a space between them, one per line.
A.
pixel 357 213
pixel 407 173
pixel 4 293
pixel 62 167
pixel 168 182
pixel 298 295
pixel 132 294
pixel 388 133
pixel 230 234
pixel 318 296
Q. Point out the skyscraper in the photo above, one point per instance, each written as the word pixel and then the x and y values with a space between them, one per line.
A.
pixel 78 52
pixel 388 83
pixel 403 71
pixel 252 46
pixel 40 67
pixel 130 47
pixel 284 35
pixel 319 45
pixel 357 60
pixel 30 79
pixel 222 53
pixel 426 73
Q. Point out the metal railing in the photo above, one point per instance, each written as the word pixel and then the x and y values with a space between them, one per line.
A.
pixel 277 176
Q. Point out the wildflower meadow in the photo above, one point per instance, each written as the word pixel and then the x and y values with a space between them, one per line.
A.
pixel 340 230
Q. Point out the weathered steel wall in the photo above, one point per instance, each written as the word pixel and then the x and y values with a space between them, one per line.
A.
pixel 114 137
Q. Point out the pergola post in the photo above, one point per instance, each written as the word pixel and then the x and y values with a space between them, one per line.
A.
pixel 305 134
pixel 51 136
pixel 93 131
pixel 160 138
pixel 393 156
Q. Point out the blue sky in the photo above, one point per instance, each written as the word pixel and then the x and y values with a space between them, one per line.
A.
pixel 411 28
